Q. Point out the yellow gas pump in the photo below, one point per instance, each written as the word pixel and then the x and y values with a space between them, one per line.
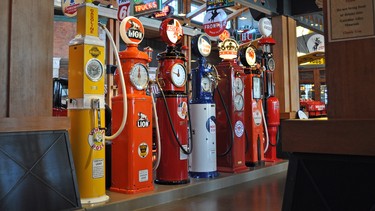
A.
pixel 86 105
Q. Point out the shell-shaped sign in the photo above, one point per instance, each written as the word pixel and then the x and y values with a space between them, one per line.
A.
pixel 171 31
pixel 265 27
pixel 214 22
pixel 201 45
pixel 131 30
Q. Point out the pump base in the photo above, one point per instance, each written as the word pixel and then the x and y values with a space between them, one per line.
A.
pixel 238 169
pixel 128 191
pixel 176 182
pixel 210 174
pixel 95 200
pixel 255 164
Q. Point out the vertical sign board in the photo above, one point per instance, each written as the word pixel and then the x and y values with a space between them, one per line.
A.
pixel 144 7
pixel 350 19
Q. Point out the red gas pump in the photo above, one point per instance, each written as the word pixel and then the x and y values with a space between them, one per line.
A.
pixel 172 107
pixel 272 103
pixel 230 117
pixel 253 106
pixel 132 149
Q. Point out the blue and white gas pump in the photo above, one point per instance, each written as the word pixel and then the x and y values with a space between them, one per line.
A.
pixel 202 160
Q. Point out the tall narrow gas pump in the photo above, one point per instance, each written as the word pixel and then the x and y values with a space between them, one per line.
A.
pixel 132 149
pixel 202 160
pixel 86 105
pixel 272 103
pixel 230 114
pixel 172 107
pixel 253 107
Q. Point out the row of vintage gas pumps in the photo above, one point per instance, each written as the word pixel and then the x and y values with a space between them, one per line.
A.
pixel 227 124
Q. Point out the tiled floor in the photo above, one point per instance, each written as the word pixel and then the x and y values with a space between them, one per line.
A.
pixel 264 194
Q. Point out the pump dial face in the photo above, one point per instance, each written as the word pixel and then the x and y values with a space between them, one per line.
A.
pixel 178 75
pixel 238 102
pixel 139 76
pixel 94 69
pixel 238 85
pixel 206 84
pixel 271 64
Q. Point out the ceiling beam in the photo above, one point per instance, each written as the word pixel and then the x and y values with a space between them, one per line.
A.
pixel 236 13
pixel 247 3
pixel 196 12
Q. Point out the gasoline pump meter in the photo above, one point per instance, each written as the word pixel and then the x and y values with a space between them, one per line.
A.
pixel 272 103
pixel 86 105
pixel 253 106
pixel 230 115
pixel 172 107
pixel 132 149
pixel 202 160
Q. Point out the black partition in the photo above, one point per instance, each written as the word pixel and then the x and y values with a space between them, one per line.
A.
pixel 37 172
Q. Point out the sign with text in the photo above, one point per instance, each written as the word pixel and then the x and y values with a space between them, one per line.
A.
pixel 123 9
pixel 144 7
pixel 350 19
pixel 216 4
pixel 214 22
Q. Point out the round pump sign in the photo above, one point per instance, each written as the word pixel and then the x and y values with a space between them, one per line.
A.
pixel 265 27
pixel 214 22
pixel 131 30
pixel 171 31
pixel 201 45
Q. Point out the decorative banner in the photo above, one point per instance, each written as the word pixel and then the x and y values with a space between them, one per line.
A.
pixel 69 7
pixel 144 7
pixel 265 27
pixel 214 22
pixel 123 9
pixel 224 35
pixel 132 30
pixel 216 4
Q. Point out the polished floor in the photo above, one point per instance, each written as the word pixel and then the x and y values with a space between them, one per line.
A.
pixel 264 194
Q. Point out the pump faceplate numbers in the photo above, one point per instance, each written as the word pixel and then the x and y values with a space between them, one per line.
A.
pixel 139 76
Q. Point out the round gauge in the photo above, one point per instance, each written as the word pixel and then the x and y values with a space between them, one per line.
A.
pixel 139 76
pixel 94 69
pixel 238 102
pixel 238 85
pixel 271 64
pixel 178 75
pixel 206 84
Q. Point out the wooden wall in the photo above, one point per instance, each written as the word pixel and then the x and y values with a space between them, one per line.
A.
pixel 26 42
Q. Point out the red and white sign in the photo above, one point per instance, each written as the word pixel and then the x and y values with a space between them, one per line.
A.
pixel 131 30
pixel 224 35
pixel 123 10
pixel 69 7
pixel 171 31
pixel 215 22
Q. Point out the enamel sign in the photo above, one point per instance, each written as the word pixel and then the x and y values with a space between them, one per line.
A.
pixel 214 22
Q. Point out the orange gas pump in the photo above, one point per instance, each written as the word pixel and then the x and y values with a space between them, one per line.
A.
pixel 253 106
pixel 172 107
pixel 132 149
pixel 272 103
pixel 230 117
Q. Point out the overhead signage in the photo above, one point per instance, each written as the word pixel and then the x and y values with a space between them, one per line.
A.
pixel 144 7
pixel 216 4
pixel 315 43
pixel 123 10
pixel 224 35
pixel 69 7
pixel 214 22
pixel 248 36
pixel 165 12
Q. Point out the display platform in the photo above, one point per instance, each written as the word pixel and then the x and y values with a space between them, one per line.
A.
pixel 168 193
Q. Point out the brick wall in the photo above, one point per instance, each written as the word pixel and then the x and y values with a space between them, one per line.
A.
pixel 64 32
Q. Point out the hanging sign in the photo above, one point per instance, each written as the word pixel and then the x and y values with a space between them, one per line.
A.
pixel 216 4
pixel 165 12
pixel 69 7
pixel 224 35
pixel 315 43
pixel 123 10
pixel 214 22
pixel 144 7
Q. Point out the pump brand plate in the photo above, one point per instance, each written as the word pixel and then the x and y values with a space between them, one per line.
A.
pixel 132 30
pixel 239 129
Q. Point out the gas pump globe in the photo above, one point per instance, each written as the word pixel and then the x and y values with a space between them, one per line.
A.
pixel 230 110
pixel 172 108
pixel 202 160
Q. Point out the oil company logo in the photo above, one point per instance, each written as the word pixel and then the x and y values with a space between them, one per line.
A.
pixel 182 110
pixel 132 30
pixel 96 139
pixel 143 150
pixel 143 120
pixel 95 52
pixel 211 124
pixel 214 22
pixel 204 45
pixel 257 116
pixel 228 49
pixel 239 129
pixel 69 7
pixel 173 31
